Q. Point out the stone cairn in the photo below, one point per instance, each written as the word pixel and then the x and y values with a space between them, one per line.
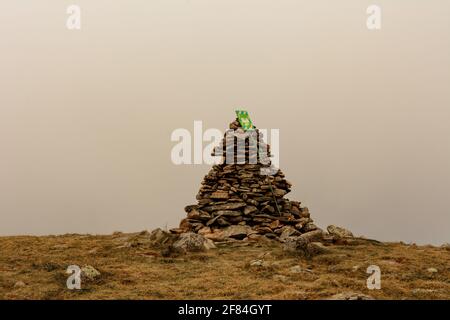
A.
pixel 237 200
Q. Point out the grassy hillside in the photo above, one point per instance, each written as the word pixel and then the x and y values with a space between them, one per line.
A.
pixel 34 268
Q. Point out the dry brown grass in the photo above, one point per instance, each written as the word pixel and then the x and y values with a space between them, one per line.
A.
pixel 140 272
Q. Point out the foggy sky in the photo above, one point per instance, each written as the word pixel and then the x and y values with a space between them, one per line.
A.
pixel 86 116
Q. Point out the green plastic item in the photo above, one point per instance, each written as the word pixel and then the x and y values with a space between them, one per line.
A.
pixel 246 124
pixel 244 120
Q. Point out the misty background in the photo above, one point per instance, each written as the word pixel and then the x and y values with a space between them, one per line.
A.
pixel 86 116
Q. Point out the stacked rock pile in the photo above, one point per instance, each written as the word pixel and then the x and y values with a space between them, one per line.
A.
pixel 239 199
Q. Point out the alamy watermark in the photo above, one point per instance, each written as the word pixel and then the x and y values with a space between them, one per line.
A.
pixel 374 280
pixel 73 21
pixel 239 147
pixel 74 280
pixel 373 21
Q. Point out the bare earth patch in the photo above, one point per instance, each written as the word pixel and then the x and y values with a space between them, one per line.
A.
pixel 35 268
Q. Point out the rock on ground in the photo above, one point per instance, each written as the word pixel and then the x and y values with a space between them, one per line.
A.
pixel 19 284
pixel 312 236
pixel 295 244
pixel 304 246
pixel 432 270
pixel 350 296
pixel 339 232
pixel 89 272
pixel 192 242
pixel 160 237
pixel 296 269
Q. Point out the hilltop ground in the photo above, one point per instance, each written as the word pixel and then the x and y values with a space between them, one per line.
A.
pixel 34 268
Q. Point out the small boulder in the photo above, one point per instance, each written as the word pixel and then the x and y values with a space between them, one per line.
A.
pixel 160 237
pixel 296 269
pixel 423 291
pixel 301 245
pixel 350 296
pixel 89 272
pixel 256 263
pixel 19 284
pixel 260 263
pixel 295 244
pixel 432 270
pixel 192 242
pixel 311 236
pixel 339 232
